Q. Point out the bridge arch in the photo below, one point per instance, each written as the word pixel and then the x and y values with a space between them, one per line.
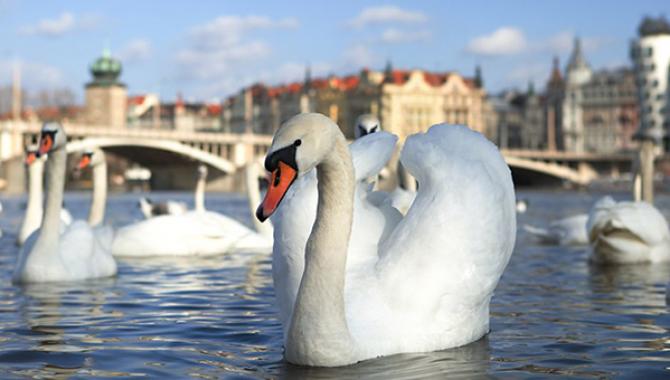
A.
pixel 166 145
pixel 551 169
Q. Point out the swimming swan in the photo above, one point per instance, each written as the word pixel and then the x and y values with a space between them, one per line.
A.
pixel 76 254
pixel 566 231
pixel 198 232
pixel 415 284
pixel 627 232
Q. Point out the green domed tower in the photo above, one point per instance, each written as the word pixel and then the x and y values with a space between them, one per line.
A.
pixel 106 96
pixel 105 70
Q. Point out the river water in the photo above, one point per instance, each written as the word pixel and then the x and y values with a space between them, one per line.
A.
pixel 552 313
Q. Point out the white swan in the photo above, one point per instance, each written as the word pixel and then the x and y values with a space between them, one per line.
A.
pixel 76 254
pixel 627 232
pixel 366 124
pixel 198 232
pixel 150 209
pixel 422 283
pixel 95 159
pixel 33 215
pixel 566 231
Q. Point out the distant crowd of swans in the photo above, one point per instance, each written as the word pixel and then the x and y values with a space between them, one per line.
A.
pixel 358 272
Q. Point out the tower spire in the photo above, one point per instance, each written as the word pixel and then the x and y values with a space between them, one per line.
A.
pixel 388 72
pixel 479 81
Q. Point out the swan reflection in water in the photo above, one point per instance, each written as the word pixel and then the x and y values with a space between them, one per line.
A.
pixel 471 361
pixel 53 315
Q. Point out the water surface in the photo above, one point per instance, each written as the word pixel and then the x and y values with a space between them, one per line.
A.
pixel 552 314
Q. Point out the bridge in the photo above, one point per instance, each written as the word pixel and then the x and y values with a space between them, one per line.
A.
pixel 174 153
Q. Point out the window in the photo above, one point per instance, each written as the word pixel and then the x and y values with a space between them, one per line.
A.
pixel 649 51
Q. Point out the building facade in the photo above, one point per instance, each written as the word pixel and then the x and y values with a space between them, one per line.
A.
pixel 406 101
pixel 650 54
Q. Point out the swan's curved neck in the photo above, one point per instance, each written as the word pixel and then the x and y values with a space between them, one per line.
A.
pixel 200 194
pixel 318 334
pixel 35 190
pixel 97 212
pixel 50 229
pixel 405 180
pixel 34 210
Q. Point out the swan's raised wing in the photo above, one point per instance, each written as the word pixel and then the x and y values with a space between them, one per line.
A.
pixel 371 153
pixel 457 237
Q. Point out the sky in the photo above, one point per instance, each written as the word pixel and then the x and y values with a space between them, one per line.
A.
pixel 208 50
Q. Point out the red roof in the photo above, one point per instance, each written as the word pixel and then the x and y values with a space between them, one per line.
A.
pixel 350 82
pixel 136 100
pixel 214 109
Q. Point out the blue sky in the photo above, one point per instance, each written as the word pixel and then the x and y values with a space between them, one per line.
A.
pixel 208 50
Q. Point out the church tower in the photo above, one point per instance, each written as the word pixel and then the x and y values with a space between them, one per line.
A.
pixel 106 96
pixel 577 74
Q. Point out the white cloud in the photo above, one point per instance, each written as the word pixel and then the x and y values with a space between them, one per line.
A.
pixel 33 74
pixel 203 64
pixel 64 23
pixel 537 72
pixel 359 56
pixel 563 42
pixel 503 41
pixel 387 14
pixel 135 50
pixel 398 36
pixel 220 56
pixel 227 30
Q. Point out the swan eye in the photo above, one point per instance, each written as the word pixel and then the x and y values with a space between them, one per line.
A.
pixel 297 142
pixel 277 177
pixel 374 129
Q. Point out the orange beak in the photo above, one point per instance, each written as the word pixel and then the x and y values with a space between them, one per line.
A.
pixel 30 158
pixel 84 161
pixel 45 144
pixel 282 178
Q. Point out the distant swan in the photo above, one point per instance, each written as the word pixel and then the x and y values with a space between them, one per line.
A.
pixel 199 232
pixel 76 254
pixel 627 232
pixel 566 231
pixel 355 282
pixel 150 208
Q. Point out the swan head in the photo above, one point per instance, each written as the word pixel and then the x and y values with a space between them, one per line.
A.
pixel 366 124
pixel 32 153
pixel 298 146
pixel 91 158
pixel 202 171
pixel 52 137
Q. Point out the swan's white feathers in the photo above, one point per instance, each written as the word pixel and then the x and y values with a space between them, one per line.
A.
pixel 422 282
pixel 371 153
pixel 626 232
pixel 566 231
pixel 81 253
pixel 192 233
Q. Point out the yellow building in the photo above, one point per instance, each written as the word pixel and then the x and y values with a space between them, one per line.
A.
pixel 406 101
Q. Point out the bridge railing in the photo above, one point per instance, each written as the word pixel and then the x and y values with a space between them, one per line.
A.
pixel 75 130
